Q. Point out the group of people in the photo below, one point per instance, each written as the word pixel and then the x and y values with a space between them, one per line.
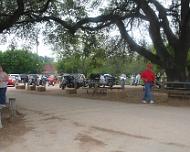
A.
pixel 148 76
pixel 135 79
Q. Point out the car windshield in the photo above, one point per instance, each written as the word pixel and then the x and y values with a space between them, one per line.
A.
pixel 12 77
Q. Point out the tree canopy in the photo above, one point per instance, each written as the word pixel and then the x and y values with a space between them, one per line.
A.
pixel 166 23
pixel 14 11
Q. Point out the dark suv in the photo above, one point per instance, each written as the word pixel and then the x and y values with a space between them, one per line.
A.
pixel 72 81
pixel 32 79
pixel 97 80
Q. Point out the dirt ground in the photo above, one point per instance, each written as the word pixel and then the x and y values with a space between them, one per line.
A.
pixel 53 121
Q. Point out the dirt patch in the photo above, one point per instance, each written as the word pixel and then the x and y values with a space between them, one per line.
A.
pixel 120 133
pixel 12 130
pixel 136 136
pixel 176 144
pixel 89 144
pixel 77 124
pixel 84 139
pixel 179 102
pixel 54 118
pixel 35 111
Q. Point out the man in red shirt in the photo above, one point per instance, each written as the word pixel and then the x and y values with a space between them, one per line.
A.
pixel 148 76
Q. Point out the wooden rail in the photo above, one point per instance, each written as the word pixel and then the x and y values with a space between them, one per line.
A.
pixel 178 89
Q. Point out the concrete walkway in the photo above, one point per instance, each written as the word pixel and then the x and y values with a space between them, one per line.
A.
pixel 63 124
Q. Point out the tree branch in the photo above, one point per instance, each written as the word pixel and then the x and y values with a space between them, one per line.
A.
pixel 97 27
pixel 104 20
pixel 172 39
pixel 45 7
pixel 135 47
pixel 154 30
pixel 11 19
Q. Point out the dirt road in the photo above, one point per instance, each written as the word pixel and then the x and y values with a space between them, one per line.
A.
pixel 63 124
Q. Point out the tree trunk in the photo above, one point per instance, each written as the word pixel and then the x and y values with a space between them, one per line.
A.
pixel 176 75
pixel 178 71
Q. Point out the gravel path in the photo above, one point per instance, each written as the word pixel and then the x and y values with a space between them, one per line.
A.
pixel 65 124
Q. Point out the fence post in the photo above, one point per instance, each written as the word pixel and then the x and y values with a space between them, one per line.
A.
pixel 12 104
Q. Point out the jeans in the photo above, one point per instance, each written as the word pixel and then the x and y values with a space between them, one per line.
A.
pixel 3 95
pixel 148 92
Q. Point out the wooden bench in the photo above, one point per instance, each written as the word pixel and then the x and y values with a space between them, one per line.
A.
pixel 178 89
pixel 12 108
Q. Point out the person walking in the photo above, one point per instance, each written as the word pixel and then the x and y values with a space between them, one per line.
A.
pixel 3 86
pixel 148 76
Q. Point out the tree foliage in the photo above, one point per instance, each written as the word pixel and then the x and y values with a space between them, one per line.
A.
pixel 166 24
pixel 99 59
pixel 21 61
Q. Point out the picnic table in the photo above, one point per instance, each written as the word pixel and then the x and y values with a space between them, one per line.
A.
pixel 178 89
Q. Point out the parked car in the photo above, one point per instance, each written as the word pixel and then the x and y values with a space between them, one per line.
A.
pixel 97 80
pixel 11 81
pixel 80 80
pixel 24 78
pixel 51 80
pixel 73 81
pixel 109 80
pixel 67 81
pixel 17 77
pixel 32 79
pixel 93 80
pixel 41 80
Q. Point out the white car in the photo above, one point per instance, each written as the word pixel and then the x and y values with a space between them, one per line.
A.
pixel 17 76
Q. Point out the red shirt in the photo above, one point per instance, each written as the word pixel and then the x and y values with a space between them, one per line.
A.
pixel 148 76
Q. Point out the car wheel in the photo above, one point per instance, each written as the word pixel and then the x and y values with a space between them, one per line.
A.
pixel 110 84
pixel 63 87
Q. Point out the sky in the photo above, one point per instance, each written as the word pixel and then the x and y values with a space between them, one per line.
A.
pixel 43 49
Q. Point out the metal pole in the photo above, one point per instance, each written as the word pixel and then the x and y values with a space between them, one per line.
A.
pixel 1 126
pixel 12 104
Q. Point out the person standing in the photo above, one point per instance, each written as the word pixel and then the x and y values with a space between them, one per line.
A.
pixel 3 86
pixel 148 76
pixel 122 78
pixel 137 79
